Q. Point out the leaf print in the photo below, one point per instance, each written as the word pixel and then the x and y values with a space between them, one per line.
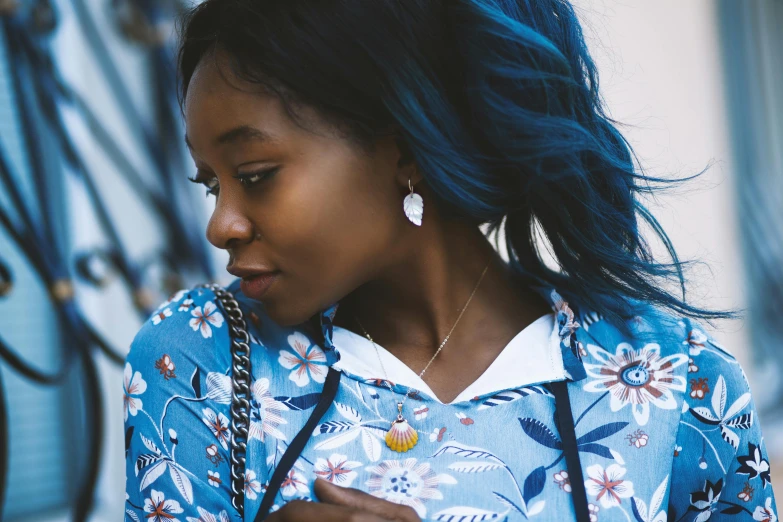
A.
pixel 513 395
pixel 302 402
pixel 507 502
pixel 182 482
pixel 133 516
pixel 349 413
pixel 264 413
pixel 461 450
pixel 597 449
pixel 206 516
pixel 601 432
pixel 465 514
pixel 537 431
pixel 204 320
pixel 337 440
pixel 474 467
pixel 149 444
pixel 371 445
pixel 152 475
pixel 333 427
pixel 731 418
pixel 640 510
pixel 142 461
pixel 219 387
pixel 534 484
pixel 195 382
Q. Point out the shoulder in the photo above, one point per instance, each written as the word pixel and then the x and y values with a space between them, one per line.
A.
pixel 184 340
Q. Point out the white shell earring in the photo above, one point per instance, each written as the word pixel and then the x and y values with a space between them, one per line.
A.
pixel 413 206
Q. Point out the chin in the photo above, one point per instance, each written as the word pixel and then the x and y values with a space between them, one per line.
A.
pixel 286 313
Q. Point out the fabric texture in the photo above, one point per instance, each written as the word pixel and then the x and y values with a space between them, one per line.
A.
pixel 665 422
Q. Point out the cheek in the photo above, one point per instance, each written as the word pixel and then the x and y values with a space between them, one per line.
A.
pixel 330 228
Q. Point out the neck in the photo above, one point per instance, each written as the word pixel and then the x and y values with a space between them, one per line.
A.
pixel 412 305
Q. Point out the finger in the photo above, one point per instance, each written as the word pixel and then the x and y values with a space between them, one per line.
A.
pixel 351 497
pixel 305 511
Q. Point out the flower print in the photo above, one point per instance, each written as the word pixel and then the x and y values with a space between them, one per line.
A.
pixel 703 501
pixel 206 516
pixel 161 509
pixel 213 478
pixel 765 513
pixel 562 480
pixel 407 482
pixel 696 342
pixel 166 367
pixel 592 511
pixel 699 388
pixel 754 465
pixel 337 469
pixel 252 485
pixel 185 305
pixel 638 438
pixel 160 315
pixel 636 378
pixel 746 495
pixel 133 386
pixel 305 361
pixel 607 485
pixel 202 319
pixel 218 425
pixel 420 412
pixel 264 412
pixel 294 482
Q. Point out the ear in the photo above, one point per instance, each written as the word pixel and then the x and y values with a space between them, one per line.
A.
pixel 406 165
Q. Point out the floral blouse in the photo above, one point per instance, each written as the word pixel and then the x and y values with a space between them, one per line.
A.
pixel 665 423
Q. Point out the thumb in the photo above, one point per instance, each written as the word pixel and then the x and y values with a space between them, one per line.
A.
pixel 357 499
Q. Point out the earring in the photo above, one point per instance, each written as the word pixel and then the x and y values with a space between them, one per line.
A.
pixel 413 206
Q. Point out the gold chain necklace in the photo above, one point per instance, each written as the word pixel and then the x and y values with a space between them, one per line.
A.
pixel 401 435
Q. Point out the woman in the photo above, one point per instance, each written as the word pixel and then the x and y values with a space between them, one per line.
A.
pixel 399 368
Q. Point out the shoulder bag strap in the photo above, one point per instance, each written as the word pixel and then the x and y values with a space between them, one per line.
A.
pixel 240 392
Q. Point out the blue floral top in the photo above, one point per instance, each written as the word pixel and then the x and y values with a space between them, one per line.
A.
pixel 666 427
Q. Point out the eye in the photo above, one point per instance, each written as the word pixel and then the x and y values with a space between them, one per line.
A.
pixel 247 180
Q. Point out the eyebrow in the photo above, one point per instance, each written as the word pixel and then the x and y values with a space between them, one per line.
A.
pixel 241 133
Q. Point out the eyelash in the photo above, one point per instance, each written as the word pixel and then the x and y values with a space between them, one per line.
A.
pixel 243 178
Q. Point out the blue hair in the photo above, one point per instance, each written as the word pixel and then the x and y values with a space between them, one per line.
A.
pixel 496 100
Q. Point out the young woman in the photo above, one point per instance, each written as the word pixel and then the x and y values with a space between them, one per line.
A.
pixel 394 366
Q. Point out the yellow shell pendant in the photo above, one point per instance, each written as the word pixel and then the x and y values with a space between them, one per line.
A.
pixel 401 436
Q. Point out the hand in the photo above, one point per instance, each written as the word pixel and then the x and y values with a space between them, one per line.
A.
pixel 339 504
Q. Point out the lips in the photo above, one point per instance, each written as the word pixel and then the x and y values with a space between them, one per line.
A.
pixel 256 286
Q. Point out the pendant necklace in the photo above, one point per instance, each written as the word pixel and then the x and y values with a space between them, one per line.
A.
pixel 401 435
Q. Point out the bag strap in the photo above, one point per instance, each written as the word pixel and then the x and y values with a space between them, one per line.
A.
pixel 292 452
pixel 240 392
pixel 568 436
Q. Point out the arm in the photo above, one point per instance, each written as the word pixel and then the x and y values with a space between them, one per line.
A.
pixel 176 408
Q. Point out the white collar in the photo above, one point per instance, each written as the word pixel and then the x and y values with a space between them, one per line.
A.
pixel 533 356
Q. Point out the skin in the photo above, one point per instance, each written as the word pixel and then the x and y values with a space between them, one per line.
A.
pixel 331 220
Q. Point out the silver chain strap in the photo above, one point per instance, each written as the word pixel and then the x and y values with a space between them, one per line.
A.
pixel 240 392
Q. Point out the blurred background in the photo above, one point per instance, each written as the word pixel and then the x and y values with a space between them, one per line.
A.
pixel 98 223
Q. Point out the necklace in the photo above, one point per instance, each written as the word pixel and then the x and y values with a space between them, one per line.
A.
pixel 401 435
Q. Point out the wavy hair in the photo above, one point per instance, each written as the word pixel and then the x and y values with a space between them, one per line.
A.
pixel 496 100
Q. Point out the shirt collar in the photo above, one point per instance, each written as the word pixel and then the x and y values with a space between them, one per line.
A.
pixel 519 364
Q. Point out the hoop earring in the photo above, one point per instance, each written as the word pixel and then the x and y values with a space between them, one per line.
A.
pixel 413 205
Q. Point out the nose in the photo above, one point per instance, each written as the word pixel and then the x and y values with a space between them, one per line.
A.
pixel 228 225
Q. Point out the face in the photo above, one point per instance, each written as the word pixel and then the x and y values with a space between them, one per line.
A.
pixel 306 203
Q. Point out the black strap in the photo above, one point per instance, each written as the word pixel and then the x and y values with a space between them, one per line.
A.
pixel 293 451
pixel 568 436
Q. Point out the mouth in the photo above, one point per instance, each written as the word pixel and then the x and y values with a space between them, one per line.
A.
pixel 255 286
